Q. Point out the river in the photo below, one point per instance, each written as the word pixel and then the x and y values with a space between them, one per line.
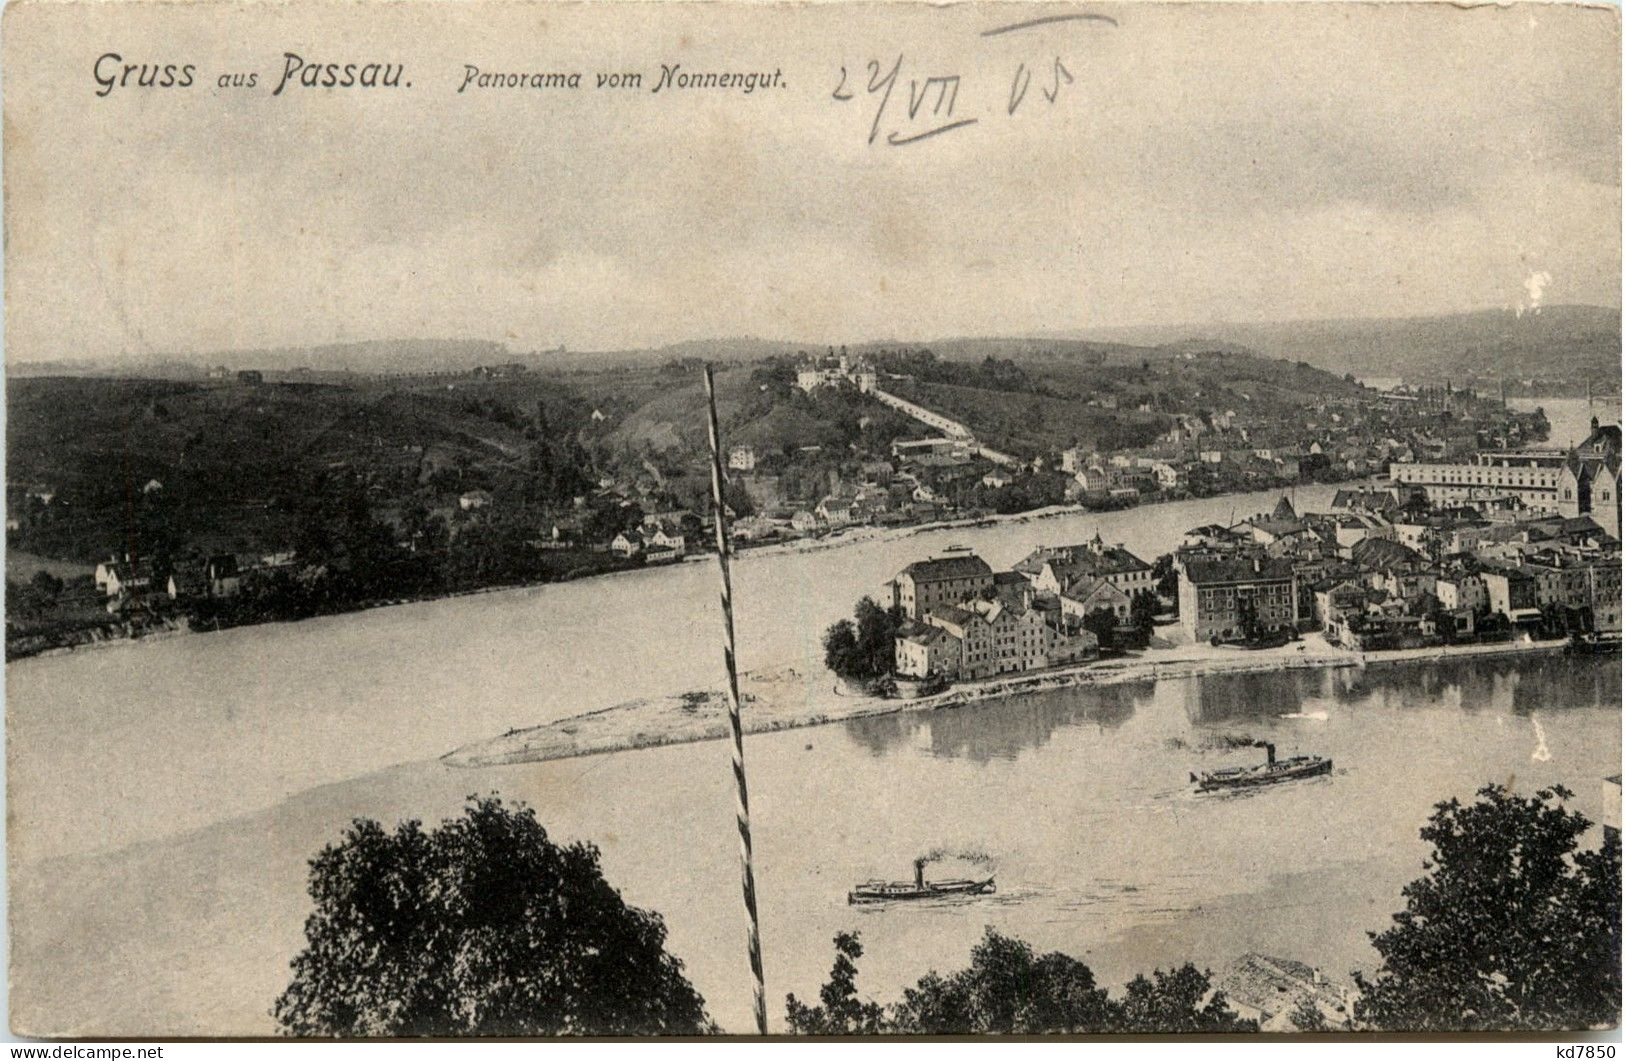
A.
pixel 1079 796
pixel 136 741
pixel 164 797
pixel 1570 417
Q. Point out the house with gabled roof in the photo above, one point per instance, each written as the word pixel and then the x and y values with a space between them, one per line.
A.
pixel 1054 569
pixel 923 650
pixel 1089 594
pixel 627 543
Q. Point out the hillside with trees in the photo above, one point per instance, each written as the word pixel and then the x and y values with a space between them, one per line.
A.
pixel 1046 404
pixel 1557 347
pixel 366 489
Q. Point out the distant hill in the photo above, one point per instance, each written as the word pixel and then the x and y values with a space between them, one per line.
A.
pixel 364 357
pixel 1567 344
pixel 743 348
pixel 1558 343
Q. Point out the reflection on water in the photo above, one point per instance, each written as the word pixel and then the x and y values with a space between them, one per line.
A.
pixel 1003 729
pixel 999 729
pixel 160 837
pixel 137 742
pixel 1081 796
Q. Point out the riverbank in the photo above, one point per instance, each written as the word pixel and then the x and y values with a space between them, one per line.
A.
pixel 787 699
pixel 1057 788
pixel 866 534
pixel 127 632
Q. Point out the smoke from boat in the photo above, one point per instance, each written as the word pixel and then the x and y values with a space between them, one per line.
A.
pixel 962 854
pixel 1207 742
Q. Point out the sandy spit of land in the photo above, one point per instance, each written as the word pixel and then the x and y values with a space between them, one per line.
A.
pixel 789 699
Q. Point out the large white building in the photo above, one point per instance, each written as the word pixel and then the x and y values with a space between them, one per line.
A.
pixel 1531 478
pixel 813 374
pixel 1581 481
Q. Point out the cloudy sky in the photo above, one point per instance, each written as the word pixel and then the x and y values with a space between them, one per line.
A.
pixel 1196 163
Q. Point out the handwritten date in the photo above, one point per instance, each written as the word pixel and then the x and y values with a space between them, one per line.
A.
pixel 929 105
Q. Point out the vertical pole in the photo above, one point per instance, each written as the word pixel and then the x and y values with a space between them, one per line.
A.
pixel 742 802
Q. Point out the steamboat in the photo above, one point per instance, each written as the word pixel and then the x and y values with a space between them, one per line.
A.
pixel 1272 771
pixel 878 891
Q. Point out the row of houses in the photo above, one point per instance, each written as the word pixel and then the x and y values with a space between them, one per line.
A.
pixel 1385 569
pixel 964 620
pixel 657 541
pixel 122 580
pixel 1390 569
pixel 912 487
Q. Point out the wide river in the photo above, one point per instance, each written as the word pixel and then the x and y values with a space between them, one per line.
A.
pixel 164 797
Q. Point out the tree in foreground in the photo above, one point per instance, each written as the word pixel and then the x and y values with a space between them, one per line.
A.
pixel 482 926
pixel 1006 990
pixel 1513 927
pixel 1178 1002
pixel 840 1011
pixel 1009 989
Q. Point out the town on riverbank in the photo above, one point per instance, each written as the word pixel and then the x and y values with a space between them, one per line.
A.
pixel 413 486
pixel 1414 570
pixel 1510 545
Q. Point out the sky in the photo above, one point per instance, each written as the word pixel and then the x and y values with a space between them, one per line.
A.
pixel 1178 163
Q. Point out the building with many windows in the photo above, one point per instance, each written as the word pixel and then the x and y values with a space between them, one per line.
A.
pixel 1531 478
pixel 1219 596
pixel 1056 570
pixel 927 584
pixel 1581 481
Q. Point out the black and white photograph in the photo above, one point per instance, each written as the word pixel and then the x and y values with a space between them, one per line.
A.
pixel 687 520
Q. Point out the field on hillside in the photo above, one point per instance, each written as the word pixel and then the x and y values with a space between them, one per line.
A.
pixel 1049 403
pixel 233 462
pixel 239 466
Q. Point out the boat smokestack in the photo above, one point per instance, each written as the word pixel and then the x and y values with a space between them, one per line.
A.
pixel 1269 749
pixel 919 873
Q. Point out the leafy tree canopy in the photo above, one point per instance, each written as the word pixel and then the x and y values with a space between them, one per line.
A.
pixel 482 926
pixel 1009 989
pixel 864 648
pixel 1178 1002
pixel 840 1011
pixel 1102 622
pixel 841 647
pixel 1513 927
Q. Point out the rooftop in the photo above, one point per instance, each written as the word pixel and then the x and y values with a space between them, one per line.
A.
pixel 1209 571
pixel 946 567
pixel 1091 558
pixel 1383 553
